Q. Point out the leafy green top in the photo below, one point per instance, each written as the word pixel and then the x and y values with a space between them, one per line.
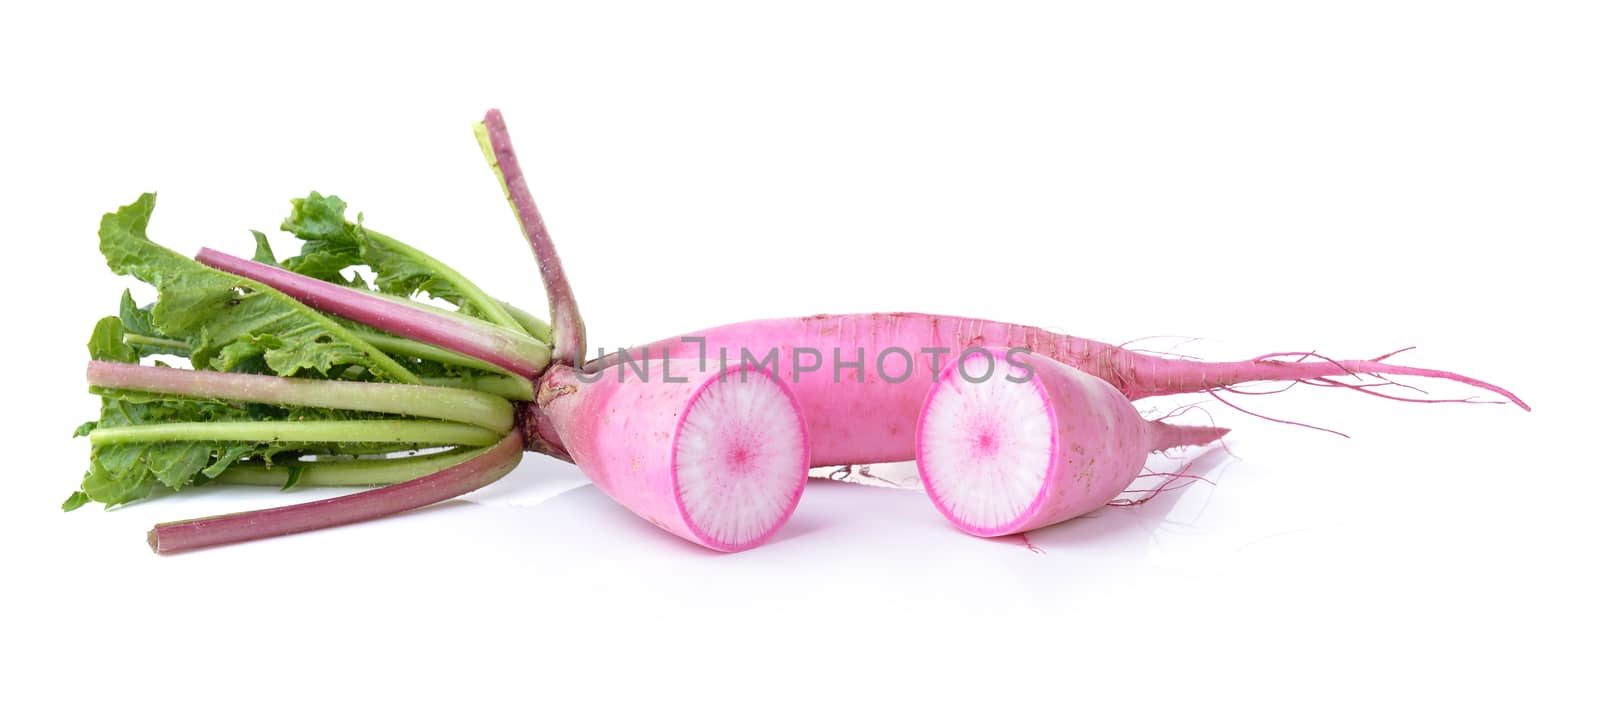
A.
pixel 226 323
pixel 125 472
pixel 227 320
pixel 333 244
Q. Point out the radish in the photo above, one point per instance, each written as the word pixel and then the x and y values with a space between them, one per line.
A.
pixel 861 379
pixel 718 458
pixel 1002 455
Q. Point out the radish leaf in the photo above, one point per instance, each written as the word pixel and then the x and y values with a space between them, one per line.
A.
pixel 213 311
pixel 333 244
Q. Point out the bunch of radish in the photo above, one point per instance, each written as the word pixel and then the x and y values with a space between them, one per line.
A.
pixel 304 373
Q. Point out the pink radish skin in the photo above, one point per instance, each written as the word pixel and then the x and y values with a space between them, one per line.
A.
pixel 719 460
pixel 864 419
pixel 999 457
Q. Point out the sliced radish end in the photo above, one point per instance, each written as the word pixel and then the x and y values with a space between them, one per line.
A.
pixel 740 459
pixel 985 449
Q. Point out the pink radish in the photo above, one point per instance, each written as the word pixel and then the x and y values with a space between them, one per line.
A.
pixel 861 397
pixel 718 462
pixel 718 457
pixel 1000 454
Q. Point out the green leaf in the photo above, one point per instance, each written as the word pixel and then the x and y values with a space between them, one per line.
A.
pixel 318 218
pixel 141 333
pixel 224 323
pixel 175 464
pixel 117 476
pixel 227 457
pixel 329 245
pixel 74 501
pixel 334 244
pixel 106 343
pixel 134 318
pixel 122 473
pixel 212 309
pixel 294 477
pixel 263 249
pixel 240 351
pixel 124 408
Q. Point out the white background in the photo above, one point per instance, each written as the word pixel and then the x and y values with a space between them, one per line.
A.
pixel 1346 177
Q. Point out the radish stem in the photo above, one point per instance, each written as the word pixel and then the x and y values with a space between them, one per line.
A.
pixel 179 347
pixel 422 433
pixel 565 323
pixel 535 325
pixel 506 386
pixel 412 348
pixel 466 406
pixel 505 349
pixel 488 466
pixel 492 309
pixel 344 473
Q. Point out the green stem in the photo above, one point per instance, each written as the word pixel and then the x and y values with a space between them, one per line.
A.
pixel 510 388
pixel 497 383
pixel 146 340
pixel 466 406
pixel 421 433
pixel 535 325
pixel 345 473
pixel 528 323
pixel 459 479
pixel 412 348
pixel 490 307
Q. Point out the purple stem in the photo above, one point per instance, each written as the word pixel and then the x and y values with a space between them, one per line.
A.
pixel 484 343
pixel 566 326
pixel 469 475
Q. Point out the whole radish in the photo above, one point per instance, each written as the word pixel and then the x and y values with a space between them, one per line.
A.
pixel 861 379
pixel 710 461
pixel 1005 448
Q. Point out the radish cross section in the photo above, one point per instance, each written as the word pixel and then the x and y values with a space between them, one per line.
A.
pixel 987 447
pixel 715 457
pixel 740 459
pixel 1032 445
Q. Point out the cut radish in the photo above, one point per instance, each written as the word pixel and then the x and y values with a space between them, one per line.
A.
pixel 1033 444
pixel 717 458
